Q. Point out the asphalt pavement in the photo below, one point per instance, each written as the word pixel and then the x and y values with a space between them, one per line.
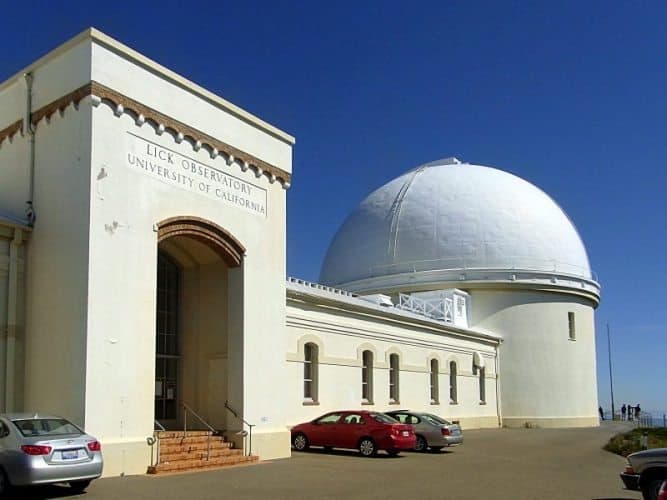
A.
pixel 514 464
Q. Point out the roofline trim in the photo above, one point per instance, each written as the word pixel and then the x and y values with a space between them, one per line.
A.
pixel 148 64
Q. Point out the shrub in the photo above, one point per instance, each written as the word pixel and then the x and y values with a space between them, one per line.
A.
pixel 629 442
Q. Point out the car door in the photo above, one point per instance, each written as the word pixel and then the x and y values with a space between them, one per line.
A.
pixel 350 429
pixel 323 430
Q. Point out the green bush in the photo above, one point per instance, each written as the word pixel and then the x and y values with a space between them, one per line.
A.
pixel 629 442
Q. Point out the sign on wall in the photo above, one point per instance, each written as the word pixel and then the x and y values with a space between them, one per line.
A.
pixel 175 169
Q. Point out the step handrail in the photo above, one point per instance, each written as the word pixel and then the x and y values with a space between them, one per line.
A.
pixel 250 426
pixel 209 426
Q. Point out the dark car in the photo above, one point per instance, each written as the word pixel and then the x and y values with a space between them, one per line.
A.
pixel 431 430
pixel 366 431
pixel 645 471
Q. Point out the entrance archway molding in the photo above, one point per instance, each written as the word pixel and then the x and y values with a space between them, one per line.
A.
pixel 209 233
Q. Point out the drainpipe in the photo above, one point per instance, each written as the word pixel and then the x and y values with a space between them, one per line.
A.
pixel 498 405
pixel 28 128
pixel 12 319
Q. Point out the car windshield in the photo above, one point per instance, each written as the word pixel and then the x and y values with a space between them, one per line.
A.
pixel 384 419
pixel 46 427
pixel 435 420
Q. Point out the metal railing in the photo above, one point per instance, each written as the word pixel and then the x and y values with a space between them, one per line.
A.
pixel 250 426
pixel 206 424
pixel 154 443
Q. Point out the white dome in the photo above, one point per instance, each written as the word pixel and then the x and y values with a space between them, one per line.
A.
pixel 446 221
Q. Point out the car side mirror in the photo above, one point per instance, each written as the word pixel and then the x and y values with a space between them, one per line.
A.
pixel 4 432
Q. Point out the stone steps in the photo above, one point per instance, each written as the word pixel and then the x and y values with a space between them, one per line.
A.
pixel 185 455
pixel 198 464
pixel 180 452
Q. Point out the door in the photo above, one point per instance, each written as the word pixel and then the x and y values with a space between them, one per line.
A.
pixel 167 358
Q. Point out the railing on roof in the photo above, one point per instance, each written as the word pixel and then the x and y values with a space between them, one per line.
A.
pixel 516 263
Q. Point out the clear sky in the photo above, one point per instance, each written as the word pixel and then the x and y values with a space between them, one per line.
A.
pixel 571 96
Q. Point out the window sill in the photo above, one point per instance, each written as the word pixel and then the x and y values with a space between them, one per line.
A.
pixel 482 403
pixel 394 402
pixel 453 402
pixel 435 403
pixel 367 403
pixel 311 403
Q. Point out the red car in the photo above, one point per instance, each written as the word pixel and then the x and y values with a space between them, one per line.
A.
pixel 366 431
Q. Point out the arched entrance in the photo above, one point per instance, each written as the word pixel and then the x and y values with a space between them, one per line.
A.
pixel 198 320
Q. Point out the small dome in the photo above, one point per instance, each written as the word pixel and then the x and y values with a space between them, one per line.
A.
pixel 455 217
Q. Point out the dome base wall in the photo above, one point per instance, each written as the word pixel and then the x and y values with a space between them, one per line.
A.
pixel 550 422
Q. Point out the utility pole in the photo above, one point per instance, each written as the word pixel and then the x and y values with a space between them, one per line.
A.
pixel 611 380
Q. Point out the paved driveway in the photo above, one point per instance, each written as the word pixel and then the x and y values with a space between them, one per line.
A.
pixel 511 464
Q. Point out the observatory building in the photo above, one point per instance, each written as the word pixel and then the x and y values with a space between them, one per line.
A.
pixel 143 274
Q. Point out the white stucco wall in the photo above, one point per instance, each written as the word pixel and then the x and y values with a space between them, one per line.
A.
pixel 93 254
pixel 546 378
pixel 342 336
pixel 58 267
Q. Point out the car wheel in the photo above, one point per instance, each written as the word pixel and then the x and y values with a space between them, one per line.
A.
pixel 4 482
pixel 420 445
pixel 79 486
pixel 300 442
pixel 651 488
pixel 367 447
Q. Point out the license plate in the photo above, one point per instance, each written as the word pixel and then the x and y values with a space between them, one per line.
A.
pixel 70 454
pixel 406 433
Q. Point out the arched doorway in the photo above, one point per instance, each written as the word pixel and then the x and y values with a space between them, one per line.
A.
pixel 198 320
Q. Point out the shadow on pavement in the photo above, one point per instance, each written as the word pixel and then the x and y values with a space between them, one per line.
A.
pixel 41 493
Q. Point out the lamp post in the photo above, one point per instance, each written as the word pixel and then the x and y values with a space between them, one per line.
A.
pixel 611 380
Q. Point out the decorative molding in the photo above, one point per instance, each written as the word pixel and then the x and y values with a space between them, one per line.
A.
pixel 216 238
pixel 121 104
pixel 8 132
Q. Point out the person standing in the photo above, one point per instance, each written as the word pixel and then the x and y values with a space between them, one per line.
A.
pixel 630 409
pixel 623 410
pixel 638 411
pixel 601 412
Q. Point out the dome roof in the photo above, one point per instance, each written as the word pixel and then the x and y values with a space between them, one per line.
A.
pixel 447 221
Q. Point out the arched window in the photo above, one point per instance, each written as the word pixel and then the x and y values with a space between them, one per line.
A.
pixel 482 385
pixel 367 377
pixel 452 382
pixel 435 389
pixel 310 362
pixel 393 378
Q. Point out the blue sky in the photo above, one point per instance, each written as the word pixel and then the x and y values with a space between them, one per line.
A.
pixel 570 96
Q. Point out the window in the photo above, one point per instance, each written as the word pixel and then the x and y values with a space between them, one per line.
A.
pixel 354 418
pixel 310 372
pixel 482 385
pixel 435 390
pixel 167 338
pixel 367 377
pixel 393 378
pixel 452 382
pixel 329 418
pixel 571 325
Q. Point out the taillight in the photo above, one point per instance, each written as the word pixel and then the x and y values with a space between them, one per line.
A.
pixel 445 431
pixel 33 449
pixel 94 446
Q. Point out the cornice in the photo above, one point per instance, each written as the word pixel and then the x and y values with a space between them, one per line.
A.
pixel 123 104
pixel 10 131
